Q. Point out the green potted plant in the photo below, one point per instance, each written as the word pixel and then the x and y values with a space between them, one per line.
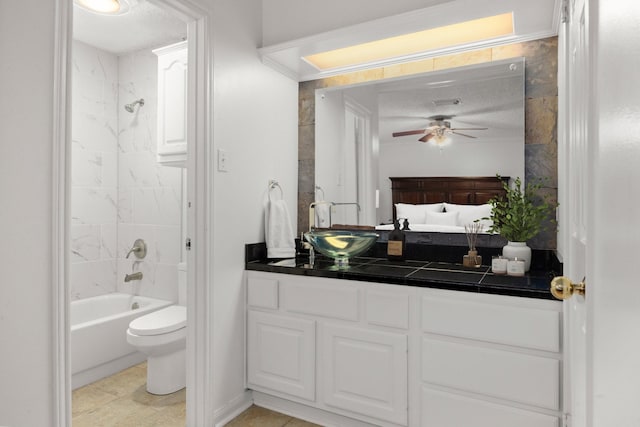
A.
pixel 520 216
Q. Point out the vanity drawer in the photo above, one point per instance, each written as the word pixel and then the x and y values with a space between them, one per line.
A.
pixel 513 376
pixel 386 308
pixel 334 299
pixel 444 409
pixel 505 320
pixel 262 292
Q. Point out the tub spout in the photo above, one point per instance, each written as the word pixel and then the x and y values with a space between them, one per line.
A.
pixel 133 276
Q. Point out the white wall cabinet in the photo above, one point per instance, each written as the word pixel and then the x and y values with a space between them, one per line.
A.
pixel 172 104
pixel 390 355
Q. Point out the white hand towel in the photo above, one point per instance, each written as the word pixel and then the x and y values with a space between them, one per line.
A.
pixel 278 232
pixel 323 215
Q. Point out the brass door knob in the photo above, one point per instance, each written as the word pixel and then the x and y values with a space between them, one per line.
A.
pixel 562 287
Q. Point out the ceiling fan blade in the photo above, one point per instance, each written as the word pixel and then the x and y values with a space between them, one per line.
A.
pixel 469 128
pixel 426 138
pixel 409 132
pixel 462 134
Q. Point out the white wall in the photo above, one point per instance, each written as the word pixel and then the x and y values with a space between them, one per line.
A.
pixel 291 19
pixel 256 122
pixel 329 150
pixel 26 108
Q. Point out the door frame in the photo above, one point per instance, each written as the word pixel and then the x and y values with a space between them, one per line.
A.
pixel 199 160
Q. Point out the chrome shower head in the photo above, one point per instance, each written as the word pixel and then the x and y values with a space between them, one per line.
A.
pixel 130 107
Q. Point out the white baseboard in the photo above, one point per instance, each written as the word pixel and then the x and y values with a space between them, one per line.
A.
pixel 106 369
pixel 307 413
pixel 233 408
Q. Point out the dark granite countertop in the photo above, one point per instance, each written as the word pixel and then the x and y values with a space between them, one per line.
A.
pixel 430 274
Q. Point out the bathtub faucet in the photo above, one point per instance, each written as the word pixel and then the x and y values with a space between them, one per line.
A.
pixel 133 276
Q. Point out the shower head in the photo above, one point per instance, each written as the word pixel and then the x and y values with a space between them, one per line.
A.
pixel 129 107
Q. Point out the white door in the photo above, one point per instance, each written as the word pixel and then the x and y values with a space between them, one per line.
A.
pixel 573 197
pixel 600 49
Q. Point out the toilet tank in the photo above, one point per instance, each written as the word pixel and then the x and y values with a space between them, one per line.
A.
pixel 182 283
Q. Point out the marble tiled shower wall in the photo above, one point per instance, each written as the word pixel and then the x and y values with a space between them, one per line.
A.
pixel 119 192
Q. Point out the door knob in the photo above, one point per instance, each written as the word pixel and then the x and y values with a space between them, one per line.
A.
pixel 562 287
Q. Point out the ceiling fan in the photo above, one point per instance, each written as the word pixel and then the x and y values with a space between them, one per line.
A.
pixel 438 129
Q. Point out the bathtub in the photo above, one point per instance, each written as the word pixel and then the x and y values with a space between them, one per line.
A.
pixel 98 340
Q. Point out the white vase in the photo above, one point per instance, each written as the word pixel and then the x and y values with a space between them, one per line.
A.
pixel 518 250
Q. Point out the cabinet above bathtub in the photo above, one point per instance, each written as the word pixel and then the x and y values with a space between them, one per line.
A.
pixel 172 104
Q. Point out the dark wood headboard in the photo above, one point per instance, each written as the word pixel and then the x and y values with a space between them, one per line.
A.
pixel 457 190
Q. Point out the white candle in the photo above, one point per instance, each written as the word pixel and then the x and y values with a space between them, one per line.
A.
pixel 499 265
pixel 515 267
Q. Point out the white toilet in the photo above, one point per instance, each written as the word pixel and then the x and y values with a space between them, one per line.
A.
pixel 162 336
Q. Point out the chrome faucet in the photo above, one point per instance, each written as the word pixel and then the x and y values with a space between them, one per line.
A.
pixel 133 276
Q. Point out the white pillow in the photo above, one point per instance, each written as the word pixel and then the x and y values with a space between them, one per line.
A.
pixel 415 213
pixel 441 218
pixel 468 214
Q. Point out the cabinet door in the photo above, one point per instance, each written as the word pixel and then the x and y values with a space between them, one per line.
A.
pixel 365 372
pixel 281 354
pixel 172 102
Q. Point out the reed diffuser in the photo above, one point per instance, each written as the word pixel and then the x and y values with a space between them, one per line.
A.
pixel 472 259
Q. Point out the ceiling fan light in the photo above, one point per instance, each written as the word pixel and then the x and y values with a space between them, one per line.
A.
pixel 441 139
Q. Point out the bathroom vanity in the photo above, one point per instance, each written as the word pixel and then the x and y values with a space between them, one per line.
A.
pixel 412 343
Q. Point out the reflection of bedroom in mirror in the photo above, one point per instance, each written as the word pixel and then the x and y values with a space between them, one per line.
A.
pixel 356 153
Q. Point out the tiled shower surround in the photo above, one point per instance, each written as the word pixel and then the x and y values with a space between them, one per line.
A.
pixel 119 192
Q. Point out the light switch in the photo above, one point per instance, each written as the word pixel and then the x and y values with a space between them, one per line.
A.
pixel 223 161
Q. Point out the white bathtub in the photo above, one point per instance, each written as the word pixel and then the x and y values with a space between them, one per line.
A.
pixel 99 345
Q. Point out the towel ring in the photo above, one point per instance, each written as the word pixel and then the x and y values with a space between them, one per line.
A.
pixel 274 184
pixel 318 188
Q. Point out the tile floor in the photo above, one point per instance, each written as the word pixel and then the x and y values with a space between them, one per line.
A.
pixel 121 400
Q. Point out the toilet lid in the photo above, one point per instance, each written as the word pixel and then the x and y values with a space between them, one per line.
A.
pixel 168 319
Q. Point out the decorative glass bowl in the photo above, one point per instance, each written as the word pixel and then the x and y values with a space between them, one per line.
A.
pixel 341 244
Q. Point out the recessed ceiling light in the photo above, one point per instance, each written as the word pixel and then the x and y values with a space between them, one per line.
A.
pixel 104 7
pixel 462 33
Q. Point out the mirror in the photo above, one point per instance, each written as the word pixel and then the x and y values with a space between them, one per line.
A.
pixel 356 152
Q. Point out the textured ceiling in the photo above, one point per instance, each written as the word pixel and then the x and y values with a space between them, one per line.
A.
pixel 144 26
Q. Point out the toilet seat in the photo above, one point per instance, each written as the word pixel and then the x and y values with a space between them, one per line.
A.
pixel 160 322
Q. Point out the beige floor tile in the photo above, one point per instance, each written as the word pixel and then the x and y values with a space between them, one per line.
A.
pixel 88 398
pixel 125 382
pixel 300 423
pixel 256 416
pixel 122 400
pixel 120 412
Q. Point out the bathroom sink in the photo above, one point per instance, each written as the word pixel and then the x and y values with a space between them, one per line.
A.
pixel 341 244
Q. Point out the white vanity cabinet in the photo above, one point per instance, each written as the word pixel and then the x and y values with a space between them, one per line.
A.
pixel 301 329
pixel 391 355
pixel 172 104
